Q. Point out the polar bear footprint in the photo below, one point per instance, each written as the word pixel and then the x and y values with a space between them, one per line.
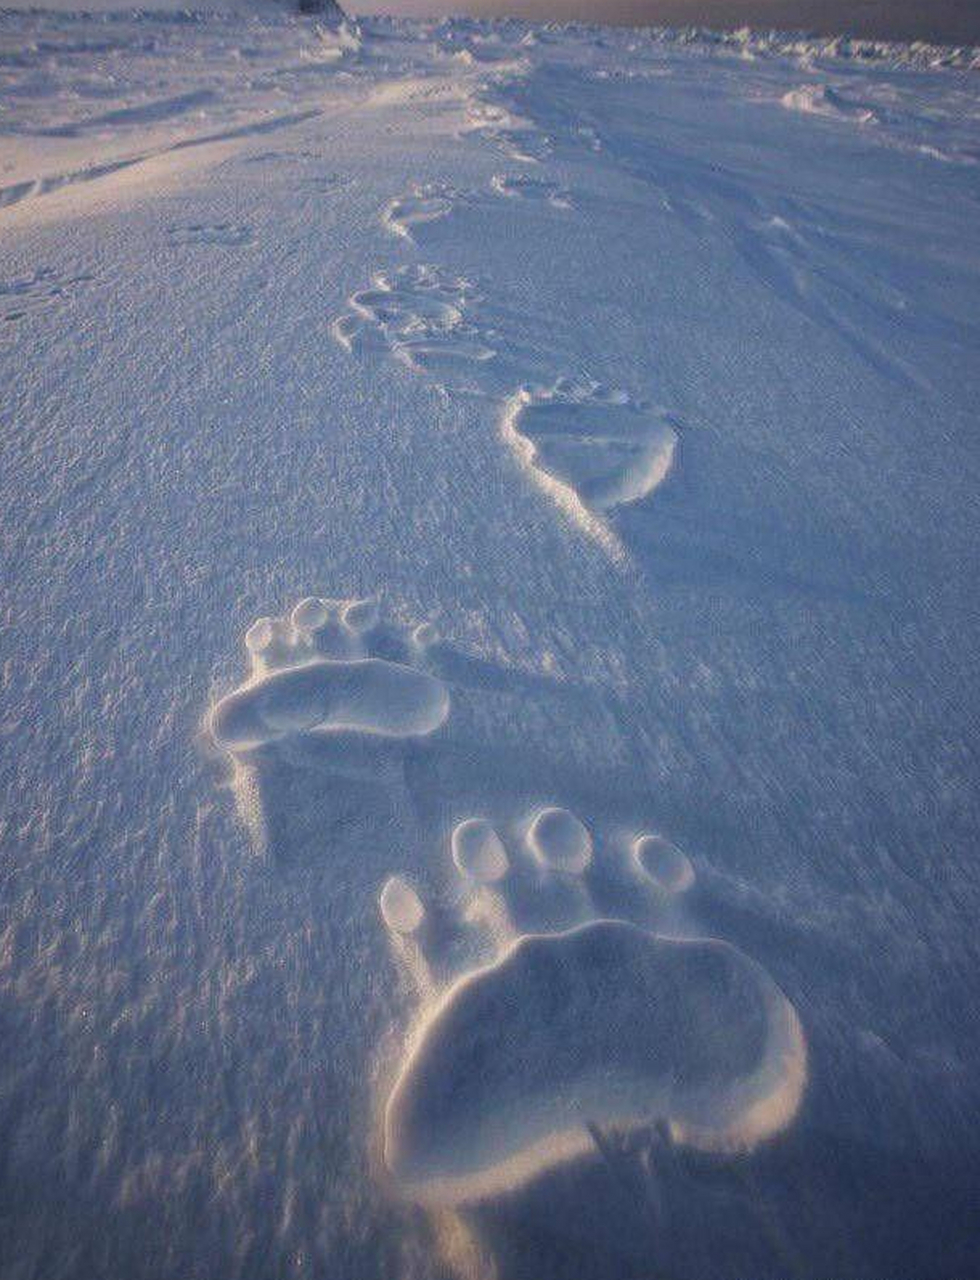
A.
pixel 586 1021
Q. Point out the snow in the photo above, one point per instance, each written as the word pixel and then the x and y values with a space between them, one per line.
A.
pixel 489 712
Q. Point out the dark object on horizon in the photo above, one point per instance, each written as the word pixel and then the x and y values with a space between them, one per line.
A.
pixel 327 8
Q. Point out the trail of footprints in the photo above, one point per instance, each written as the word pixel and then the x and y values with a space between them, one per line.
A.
pixel 540 1020
pixel 560 1021
pixel 591 448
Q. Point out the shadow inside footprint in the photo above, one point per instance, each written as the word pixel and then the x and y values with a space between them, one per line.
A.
pixel 603 1025
pixel 606 450
pixel 366 695
pixel 517 1064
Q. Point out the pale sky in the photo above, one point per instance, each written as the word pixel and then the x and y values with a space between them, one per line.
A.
pixel 948 21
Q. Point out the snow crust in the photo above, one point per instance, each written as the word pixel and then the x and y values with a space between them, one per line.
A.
pixel 488 631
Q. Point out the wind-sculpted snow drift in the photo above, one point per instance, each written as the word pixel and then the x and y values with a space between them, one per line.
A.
pixel 823 100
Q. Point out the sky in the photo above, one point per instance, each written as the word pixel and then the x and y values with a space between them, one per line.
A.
pixel 942 21
pixel 947 21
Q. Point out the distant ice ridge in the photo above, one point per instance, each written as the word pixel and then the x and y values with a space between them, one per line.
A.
pixel 328 11
pixel 786 44
pixel 325 11
pixel 749 42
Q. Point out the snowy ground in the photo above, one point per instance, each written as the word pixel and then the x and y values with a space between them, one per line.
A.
pixel 637 380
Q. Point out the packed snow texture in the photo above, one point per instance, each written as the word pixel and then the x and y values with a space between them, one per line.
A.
pixel 489 715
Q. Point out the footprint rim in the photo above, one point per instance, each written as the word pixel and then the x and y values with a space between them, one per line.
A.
pixel 574 861
pixel 483 865
pixel 676 881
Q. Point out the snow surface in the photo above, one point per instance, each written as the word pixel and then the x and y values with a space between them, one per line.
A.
pixel 575 871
